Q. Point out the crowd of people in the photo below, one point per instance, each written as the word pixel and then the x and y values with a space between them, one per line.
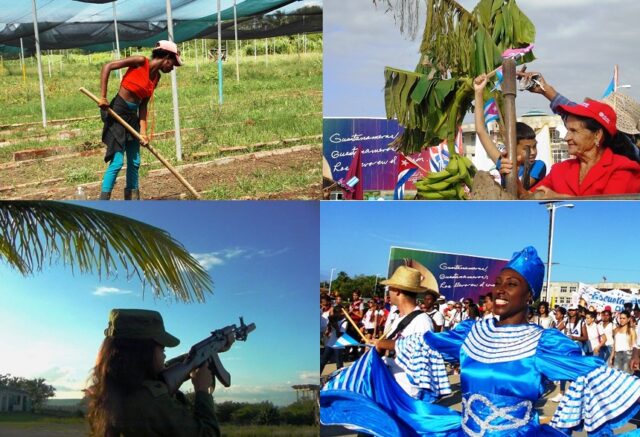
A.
pixel 508 351
pixel 611 335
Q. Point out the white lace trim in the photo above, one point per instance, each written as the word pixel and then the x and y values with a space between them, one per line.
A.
pixel 496 412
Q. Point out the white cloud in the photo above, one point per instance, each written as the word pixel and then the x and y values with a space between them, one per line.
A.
pixel 208 260
pixel 232 253
pixel 308 376
pixel 211 259
pixel 107 291
pixel 264 253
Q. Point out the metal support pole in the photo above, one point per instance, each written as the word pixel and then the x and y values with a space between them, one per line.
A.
pixel 174 90
pixel 37 36
pixel 49 61
pixel 219 56
pixel 23 65
pixel 235 27
pixel 195 50
pixel 552 213
pixel 509 92
pixel 331 280
pixel 115 25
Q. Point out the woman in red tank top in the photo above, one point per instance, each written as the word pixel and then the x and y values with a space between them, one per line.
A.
pixel 136 88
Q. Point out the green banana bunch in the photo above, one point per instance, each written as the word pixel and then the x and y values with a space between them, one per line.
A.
pixel 449 183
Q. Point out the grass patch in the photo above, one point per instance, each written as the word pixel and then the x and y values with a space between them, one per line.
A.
pixel 260 182
pixel 275 431
pixel 25 420
pixel 278 100
pixel 80 175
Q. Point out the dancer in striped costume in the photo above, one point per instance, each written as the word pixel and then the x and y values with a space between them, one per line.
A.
pixel 504 366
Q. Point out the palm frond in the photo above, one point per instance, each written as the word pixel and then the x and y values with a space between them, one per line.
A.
pixel 36 233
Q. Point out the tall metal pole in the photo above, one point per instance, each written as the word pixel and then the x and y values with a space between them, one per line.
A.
pixel 23 65
pixel 552 213
pixel 35 30
pixel 235 27
pixel 551 207
pixel 174 90
pixel 509 92
pixel 331 279
pixel 195 49
pixel 219 56
pixel 115 25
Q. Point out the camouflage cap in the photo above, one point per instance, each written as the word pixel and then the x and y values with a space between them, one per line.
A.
pixel 126 323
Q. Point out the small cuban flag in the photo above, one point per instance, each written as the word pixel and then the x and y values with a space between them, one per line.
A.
pixel 613 84
pixel 346 340
pixel 499 79
pixel 490 111
pixel 405 170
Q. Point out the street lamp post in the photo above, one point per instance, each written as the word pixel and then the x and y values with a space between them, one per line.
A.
pixel 375 286
pixel 331 279
pixel 551 207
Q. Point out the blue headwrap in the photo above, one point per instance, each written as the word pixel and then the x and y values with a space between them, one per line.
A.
pixel 530 266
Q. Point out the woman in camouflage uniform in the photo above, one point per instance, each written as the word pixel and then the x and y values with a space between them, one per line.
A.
pixel 127 396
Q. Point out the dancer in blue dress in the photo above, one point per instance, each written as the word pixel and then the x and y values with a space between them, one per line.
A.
pixel 504 365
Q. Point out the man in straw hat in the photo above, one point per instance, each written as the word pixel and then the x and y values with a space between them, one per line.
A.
pixel 404 286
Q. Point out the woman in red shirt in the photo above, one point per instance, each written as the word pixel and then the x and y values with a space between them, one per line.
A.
pixel 605 160
pixel 136 88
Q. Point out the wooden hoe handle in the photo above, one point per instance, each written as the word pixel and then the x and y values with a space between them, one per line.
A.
pixel 155 153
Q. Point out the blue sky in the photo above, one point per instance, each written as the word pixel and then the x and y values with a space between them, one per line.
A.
pixel 591 240
pixel 577 44
pixel 263 258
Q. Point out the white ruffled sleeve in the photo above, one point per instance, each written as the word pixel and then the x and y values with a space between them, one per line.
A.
pixel 422 357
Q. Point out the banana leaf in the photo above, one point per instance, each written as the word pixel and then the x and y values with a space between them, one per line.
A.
pixel 457 45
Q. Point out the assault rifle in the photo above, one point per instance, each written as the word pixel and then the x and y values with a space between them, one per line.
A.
pixel 178 369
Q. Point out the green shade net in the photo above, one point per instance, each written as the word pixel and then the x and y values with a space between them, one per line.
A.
pixel 88 24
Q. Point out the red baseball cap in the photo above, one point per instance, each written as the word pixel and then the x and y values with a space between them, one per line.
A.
pixel 607 308
pixel 598 111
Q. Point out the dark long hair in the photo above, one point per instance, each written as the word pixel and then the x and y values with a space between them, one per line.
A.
pixel 121 367
pixel 620 143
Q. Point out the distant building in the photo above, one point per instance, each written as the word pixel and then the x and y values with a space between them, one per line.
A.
pixel 12 400
pixel 307 392
pixel 561 291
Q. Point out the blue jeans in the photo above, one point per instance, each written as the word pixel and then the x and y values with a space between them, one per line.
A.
pixel 132 149
pixel 605 353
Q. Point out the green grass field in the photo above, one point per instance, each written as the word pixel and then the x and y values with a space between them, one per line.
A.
pixel 27 424
pixel 278 97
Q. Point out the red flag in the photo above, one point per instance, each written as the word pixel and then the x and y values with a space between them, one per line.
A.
pixel 355 170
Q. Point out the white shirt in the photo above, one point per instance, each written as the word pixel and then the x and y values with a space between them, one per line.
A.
pixel 436 317
pixel 419 325
pixel 366 320
pixel 544 322
pixel 594 332
pixel 608 331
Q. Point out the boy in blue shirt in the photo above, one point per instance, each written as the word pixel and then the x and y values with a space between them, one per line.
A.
pixel 525 137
